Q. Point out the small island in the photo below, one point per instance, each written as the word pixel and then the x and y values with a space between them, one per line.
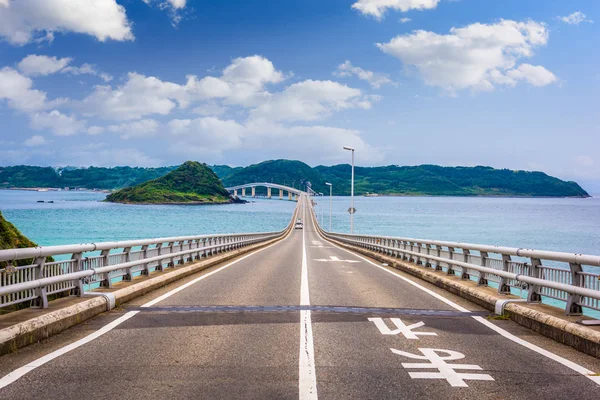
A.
pixel 190 183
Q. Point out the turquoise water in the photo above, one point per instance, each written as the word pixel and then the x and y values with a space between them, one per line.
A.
pixel 82 217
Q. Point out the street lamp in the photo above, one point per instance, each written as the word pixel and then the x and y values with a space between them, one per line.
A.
pixel 351 210
pixel 330 192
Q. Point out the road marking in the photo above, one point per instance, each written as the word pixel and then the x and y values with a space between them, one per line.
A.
pixel 335 259
pixel 401 327
pixel 561 360
pixel 317 243
pixel 307 383
pixel 19 372
pixel 445 371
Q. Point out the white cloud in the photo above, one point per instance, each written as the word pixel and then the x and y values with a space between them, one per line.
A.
pixel 17 90
pixel 476 57
pixel 35 65
pixel 94 155
pixel 310 100
pixel 404 20
pixel 23 21
pixel 95 130
pixel 35 141
pixel 242 83
pixel 585 161
pixel 135 129
pixel 87 69
pixel 172 6
pixel 575 19
pixel 378 8
pixel 375 79
pixel 209 109
pixel 209 132
pixel 535 75
pixel 59 123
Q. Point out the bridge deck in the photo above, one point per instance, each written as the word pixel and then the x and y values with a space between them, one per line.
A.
pixel 173 345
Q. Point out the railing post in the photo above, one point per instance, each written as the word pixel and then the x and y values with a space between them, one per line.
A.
pixel 42 299
pixel 146 270
pixel 106 282
pixel 450 270
pixel 77 257
pixel 438 253
pixel 172 263
pixel 574 300
pixel 503 287
pixel 129 276
pixel 482 281
pixel 465 272
pixel 533 295
pixel 159 248
pixel 427 260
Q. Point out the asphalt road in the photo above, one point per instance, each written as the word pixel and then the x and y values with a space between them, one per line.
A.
pixel 299 319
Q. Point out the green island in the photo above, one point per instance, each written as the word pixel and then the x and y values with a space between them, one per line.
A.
pixel 391 180
pixel 12 238
pixel 191 183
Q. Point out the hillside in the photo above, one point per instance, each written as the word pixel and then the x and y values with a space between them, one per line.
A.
pixel 25 176
pixel 390 180
pixel 12 238
pixel 428 180
pixel 191 183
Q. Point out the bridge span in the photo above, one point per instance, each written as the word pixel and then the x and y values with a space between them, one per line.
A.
pixel 292 193
pixel 303 317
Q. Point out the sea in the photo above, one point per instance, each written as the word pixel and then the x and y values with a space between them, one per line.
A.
pixel 556 224
pixel 563 224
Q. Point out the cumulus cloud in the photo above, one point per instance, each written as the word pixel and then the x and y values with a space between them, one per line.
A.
pixel 95 130
pixel 35 141
pixel 375 79
pixel 241 83
pixel 209 137
pixel 135 129
pixel 57 122
pixel 17 90
pixel 476 57
pixel 172 6
pixel 209 109
pixel 378 8
pixel 23 21
pixel 310 100
pixel 575 19
pixel 405 20
pixel 40 65
pixel 35 65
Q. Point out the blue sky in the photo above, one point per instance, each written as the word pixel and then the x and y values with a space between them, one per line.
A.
pixel 511 84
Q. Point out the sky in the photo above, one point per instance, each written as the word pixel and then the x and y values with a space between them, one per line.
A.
pixel 505 83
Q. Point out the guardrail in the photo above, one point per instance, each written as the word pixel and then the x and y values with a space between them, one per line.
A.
pixel 495 266
pixel 118 261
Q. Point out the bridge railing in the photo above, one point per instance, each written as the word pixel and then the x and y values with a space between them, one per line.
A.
pixel 560 276
pixel 103 264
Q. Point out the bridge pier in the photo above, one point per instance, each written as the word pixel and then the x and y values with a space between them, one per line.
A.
pixel 289 195
pixel 268 193
pixel 234 192
pixel 243 192
pixel 280 193
pixel 253 191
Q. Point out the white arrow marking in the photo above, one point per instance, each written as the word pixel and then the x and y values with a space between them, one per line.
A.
pixel 406 330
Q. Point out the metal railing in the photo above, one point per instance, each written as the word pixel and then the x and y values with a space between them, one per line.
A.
pixel 511 270
pixel 117 261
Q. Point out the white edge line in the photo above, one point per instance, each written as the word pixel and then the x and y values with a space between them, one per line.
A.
pixel 19 372
pixel 307 378
pixel 569 364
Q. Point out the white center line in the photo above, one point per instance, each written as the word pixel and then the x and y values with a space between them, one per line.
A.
pixel 307 383
pixel 567 363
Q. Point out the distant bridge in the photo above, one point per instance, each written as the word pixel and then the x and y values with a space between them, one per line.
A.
pixel 293 193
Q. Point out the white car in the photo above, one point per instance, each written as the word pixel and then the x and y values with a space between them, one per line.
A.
pixel 298 225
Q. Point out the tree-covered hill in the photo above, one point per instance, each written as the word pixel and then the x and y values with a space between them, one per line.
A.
pixel 12 238
pixel 191 183
pixel 388 180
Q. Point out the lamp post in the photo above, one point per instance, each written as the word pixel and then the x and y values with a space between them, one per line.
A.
pixel 352 210
pixel 330 192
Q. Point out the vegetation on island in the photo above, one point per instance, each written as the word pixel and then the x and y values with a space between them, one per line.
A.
pixel 12 238
pixel 430 180
pixel 191 183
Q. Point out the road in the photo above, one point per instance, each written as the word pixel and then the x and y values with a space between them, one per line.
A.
pixel 305 319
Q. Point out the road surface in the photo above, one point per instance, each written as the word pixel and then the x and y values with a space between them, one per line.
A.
pixel 305 319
